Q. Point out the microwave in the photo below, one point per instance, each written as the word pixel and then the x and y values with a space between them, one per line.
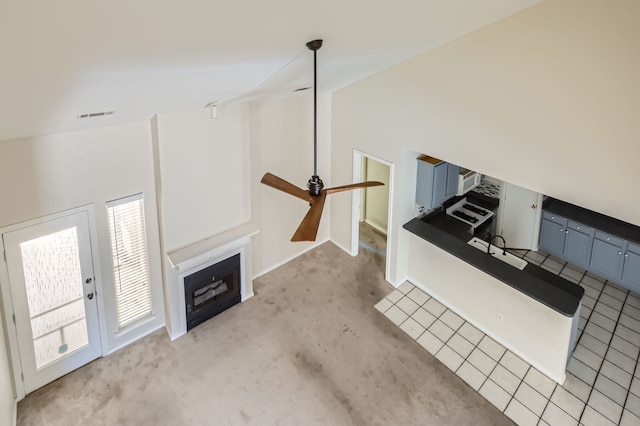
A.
pixel 467 180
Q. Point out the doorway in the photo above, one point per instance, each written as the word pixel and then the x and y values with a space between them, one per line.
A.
pixel 519 216
pixel 371 208
pixel 49 288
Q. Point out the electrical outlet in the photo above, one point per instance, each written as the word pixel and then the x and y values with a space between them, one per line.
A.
pixel 500 317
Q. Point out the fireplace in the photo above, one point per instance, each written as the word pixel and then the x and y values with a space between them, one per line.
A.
pixel 211 290
pixel 190 271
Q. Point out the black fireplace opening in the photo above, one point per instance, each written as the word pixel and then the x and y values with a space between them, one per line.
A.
pixel 212 290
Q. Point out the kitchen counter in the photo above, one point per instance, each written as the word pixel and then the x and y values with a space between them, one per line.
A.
pixel 599 221
pixel 451 235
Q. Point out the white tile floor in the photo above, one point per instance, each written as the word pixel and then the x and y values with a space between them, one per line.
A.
pixel 603 376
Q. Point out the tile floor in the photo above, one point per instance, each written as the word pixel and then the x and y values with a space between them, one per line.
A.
pixel 603 376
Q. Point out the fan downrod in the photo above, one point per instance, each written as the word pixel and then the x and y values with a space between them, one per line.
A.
pixel 315 184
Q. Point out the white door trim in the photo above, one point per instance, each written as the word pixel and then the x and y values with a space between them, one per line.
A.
pixel 6 296
pixel 356 200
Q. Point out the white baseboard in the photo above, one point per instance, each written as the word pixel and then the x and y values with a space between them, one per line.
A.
pixel 344 249
pixel 135 339
pixel 376 227
pixel 397 284
pixel 279 264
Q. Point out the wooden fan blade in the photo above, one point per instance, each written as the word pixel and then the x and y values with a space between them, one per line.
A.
pixel 353 186
pixel 284 186
pixel 308 228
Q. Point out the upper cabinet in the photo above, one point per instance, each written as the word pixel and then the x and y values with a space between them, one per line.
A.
pixel 437 181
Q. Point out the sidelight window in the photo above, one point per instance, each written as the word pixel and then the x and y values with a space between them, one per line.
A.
pixel 130 263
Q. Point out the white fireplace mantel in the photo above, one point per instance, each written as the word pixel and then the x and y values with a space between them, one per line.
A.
pixel 201 254
pixel 210 248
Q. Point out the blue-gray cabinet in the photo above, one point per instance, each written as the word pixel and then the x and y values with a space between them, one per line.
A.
pixel 552 233
pixel 631 267
pixel 439 186
pixel 606 255
pixel 436 181
pixel 577 245
pixel 451 188
pixel 566 239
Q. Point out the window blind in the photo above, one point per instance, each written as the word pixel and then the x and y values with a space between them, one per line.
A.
pixel 130 264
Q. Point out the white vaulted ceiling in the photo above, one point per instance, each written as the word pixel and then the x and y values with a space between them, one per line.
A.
pixel 60 59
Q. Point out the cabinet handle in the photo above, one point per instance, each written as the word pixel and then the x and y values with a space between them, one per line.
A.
pixel 626 255
pixel 553 217
pixel 608 238
pixel 566 232
pixel 561 229
pixel 619 252
pixel 577 227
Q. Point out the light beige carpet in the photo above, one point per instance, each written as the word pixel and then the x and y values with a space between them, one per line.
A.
pixel 308 349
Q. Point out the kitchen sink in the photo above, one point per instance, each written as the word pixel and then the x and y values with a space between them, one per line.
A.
pixel 496 252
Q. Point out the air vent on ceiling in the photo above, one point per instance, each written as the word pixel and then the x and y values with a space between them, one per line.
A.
pixel 96 114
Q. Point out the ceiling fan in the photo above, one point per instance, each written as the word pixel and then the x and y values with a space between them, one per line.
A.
pixel 315 194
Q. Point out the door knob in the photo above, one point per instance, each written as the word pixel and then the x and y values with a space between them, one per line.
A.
pixel 90 296
pixel 88 280
pixel 533 206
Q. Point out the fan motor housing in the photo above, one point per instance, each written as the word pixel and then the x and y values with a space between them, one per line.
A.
pixel 315 185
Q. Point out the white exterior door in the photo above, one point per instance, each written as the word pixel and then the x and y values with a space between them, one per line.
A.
pixel 52 286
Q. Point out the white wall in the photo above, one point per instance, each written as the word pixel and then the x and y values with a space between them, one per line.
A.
pixel 203 184
pixel 7 400
pixel 50 174
pixel 376 206
pixel 545 99
pixel 204 166
pixel 282 144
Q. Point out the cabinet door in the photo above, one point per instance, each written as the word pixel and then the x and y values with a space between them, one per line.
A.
pixel 552 237
pixel 424 184
pixel 606 259
pixel 439 184
pixel 577 247
pixel 631 269
pixel 453 172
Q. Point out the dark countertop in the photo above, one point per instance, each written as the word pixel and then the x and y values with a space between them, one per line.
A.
pixel 596 220
pixel 545 287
